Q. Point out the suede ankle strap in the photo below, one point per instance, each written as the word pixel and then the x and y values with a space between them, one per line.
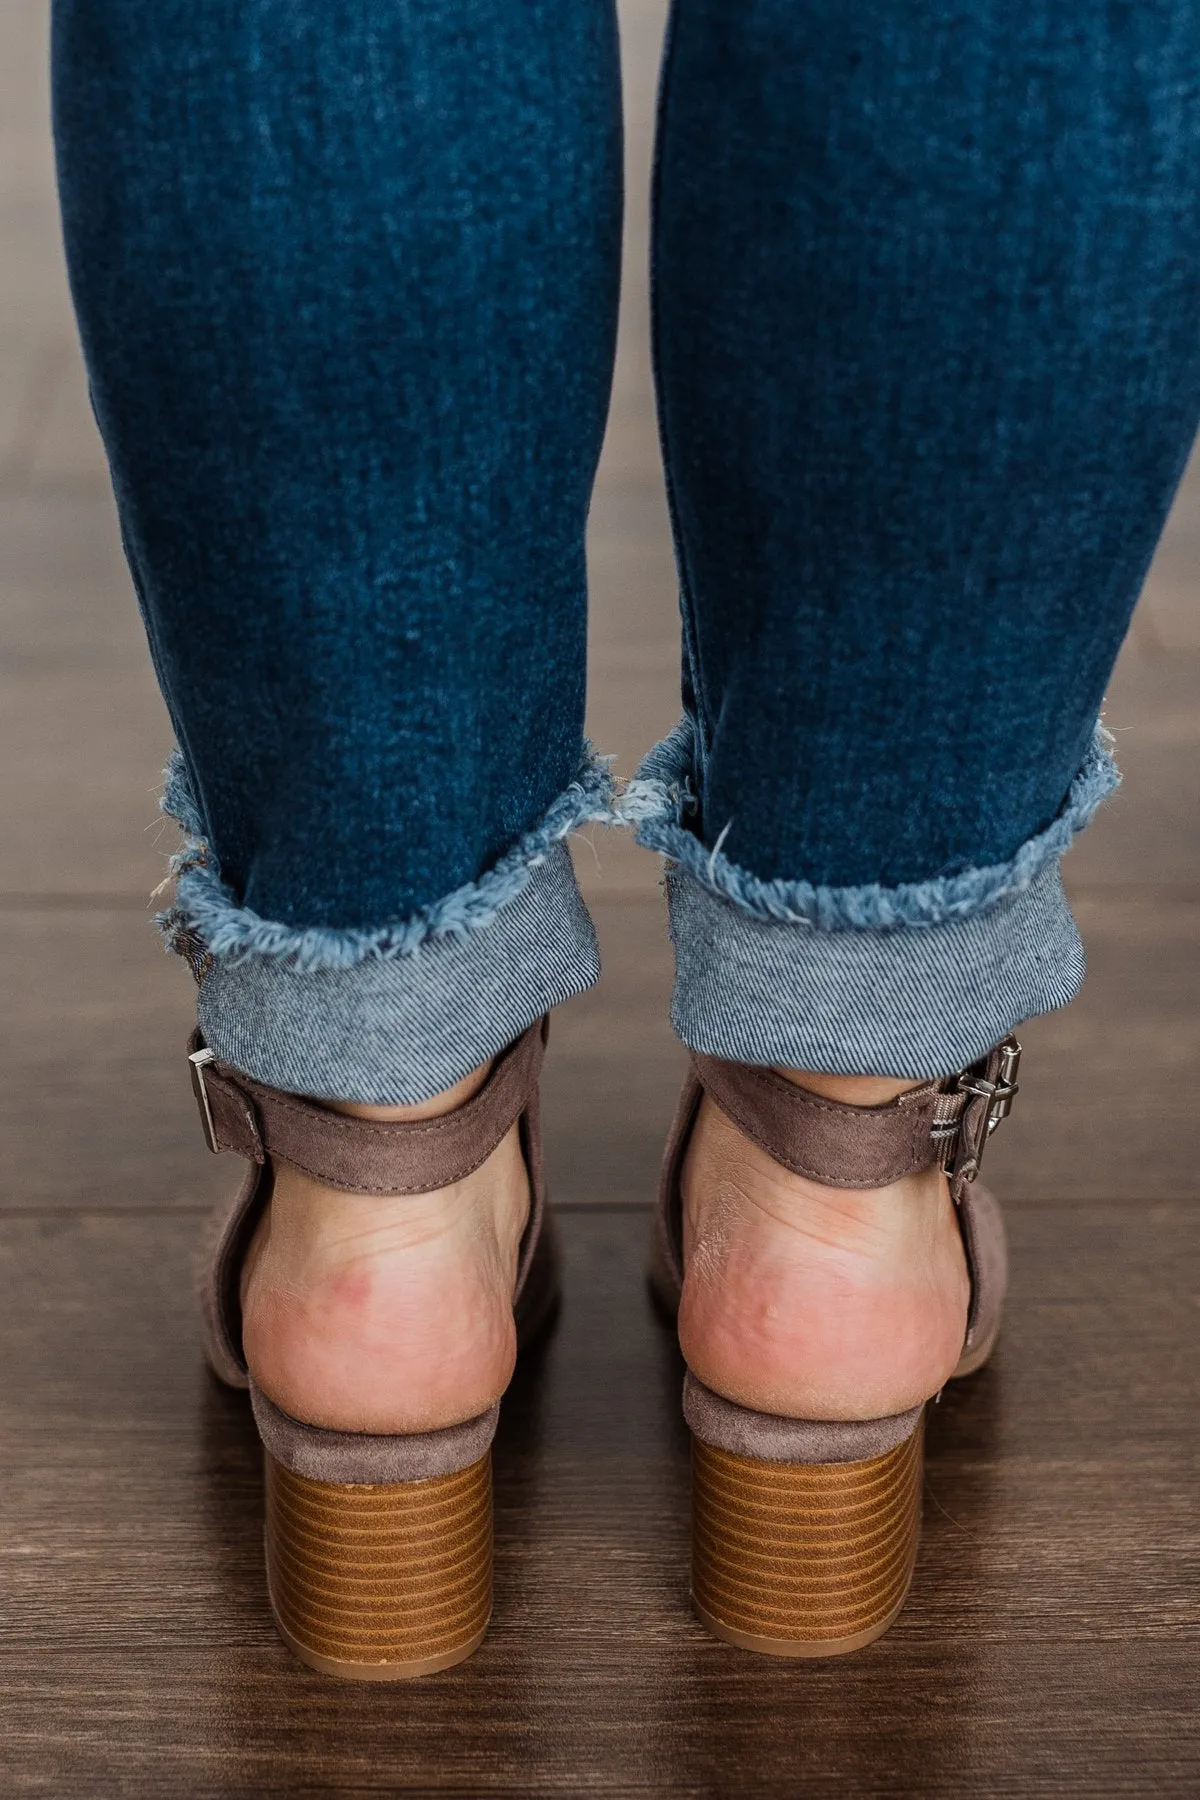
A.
pixel 365 1156
pixel 840 1145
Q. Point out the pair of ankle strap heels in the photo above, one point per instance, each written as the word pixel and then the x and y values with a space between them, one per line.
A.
pixel 804 1532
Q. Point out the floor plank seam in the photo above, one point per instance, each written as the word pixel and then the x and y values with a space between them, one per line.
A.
pixel 67 902
pixel 619 1208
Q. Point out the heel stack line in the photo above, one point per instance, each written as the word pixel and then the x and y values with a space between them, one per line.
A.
pixel 380 1583
pixel 804 1559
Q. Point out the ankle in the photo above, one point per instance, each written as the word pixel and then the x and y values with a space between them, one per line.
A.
pixel 317 1217
pixel 851 1090
pixel 850 1212
pixel 448 1101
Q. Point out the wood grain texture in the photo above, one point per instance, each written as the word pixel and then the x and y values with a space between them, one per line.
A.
pixel 1048 1645
pixel 384 1582
pixel 1146 835
pixel 794 1559
pixel 95 1103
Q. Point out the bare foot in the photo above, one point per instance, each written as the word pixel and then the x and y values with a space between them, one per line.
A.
pixel 811 1301
pixel 388 1314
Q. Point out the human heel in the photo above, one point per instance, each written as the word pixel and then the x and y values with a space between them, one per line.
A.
pixel 378 1546
pixel 807 1550
pixel 805 1531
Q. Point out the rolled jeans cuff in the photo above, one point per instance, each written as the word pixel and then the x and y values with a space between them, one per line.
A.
pixel 394 1015
pixel 914 1003
pixel 913 981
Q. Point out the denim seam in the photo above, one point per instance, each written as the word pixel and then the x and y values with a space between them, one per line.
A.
pixel 661 797
pixel 206 920
pixel 687 611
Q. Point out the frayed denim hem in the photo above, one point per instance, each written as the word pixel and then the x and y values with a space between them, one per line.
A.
pixel 912 981
pixel 660 798
pixel 206 919
pixel 393 1030
pixel 394 1015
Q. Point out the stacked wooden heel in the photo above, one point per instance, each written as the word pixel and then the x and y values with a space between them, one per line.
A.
pixel 803 1559
pixel 380 1582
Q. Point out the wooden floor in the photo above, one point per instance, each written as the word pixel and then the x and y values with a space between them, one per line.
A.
pixel 1052 1644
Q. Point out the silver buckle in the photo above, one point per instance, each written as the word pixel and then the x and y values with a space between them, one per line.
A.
pixel 962 1143
pixel 200 1060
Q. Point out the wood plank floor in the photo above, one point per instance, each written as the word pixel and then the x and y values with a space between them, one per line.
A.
pixel 1052 1643
pixel 1048 1645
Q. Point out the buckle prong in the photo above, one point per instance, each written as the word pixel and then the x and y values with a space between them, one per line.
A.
pixel 200 1059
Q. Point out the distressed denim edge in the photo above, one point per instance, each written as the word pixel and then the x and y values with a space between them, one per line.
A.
pixel 661 795
pixel 395 1030
pixel 207 923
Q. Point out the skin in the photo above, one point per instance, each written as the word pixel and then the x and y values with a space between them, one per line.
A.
pixel 365 1313
pixel 811 1301
pixel 394 1315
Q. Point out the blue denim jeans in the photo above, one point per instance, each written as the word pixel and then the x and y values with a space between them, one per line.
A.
pixel 927 342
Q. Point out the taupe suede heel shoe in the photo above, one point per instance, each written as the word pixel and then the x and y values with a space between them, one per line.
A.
pixel 804 1531
pixel 379 1548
